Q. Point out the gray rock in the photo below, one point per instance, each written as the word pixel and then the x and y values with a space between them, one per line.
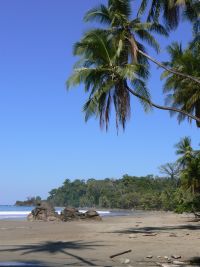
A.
pixel 149 257
pixel 176 257
pixel 43 212
pixel 69 214
pixel 92 214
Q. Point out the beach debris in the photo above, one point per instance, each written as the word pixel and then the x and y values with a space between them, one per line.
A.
pixel 159 257
pixel 176 257
pixel 149 256
pixel 169 265
pixel 167 258
pixel 120 253
pixel 179 262
pixel 124 260
pixel 150 234
pixel 172 235
pixel 174 264
pixel 132 236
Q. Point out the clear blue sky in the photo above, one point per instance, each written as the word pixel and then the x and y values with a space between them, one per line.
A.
pixel 44 138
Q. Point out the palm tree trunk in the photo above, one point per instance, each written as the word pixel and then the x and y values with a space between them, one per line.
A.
pixel 168 69
pixel 164 107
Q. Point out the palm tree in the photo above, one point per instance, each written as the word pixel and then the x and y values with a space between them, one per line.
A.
pixel 184 149
pixel 182 93
pixel 171 11
pixel 126 32
pixel 107 78
pixel 190 176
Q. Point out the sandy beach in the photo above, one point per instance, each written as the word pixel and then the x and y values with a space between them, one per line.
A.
pixel 156 234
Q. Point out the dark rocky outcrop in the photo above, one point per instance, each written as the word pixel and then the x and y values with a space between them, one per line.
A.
pixel 92 215
pixel 43 212
pixel 69 214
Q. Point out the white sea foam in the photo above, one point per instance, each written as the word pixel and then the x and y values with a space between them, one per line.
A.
pixel 14 213
pixel 23 214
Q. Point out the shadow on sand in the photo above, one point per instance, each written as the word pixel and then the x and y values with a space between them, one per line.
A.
pixel 195 261
pixel 53 248
pixel 146 230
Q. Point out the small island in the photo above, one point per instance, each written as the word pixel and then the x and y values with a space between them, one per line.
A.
pixel 31 201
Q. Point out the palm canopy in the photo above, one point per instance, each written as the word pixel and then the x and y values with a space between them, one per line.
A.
pixel 171 11
pixel 129 32
pixel 106 78
pixel 183 93
pixel 184 149
pixel 190 177
pixel 190 164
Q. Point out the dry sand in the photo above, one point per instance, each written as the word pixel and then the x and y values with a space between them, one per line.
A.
pixel 92 243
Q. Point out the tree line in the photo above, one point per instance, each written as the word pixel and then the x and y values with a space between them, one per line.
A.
pixel 178 190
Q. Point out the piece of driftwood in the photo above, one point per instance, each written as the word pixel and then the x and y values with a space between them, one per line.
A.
pixel 120 253
pixel 150 234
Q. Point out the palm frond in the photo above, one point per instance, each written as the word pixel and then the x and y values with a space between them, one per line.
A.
pixel 147 37
pixel 99 13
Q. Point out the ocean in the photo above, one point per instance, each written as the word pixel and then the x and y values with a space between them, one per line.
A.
pixel 10 212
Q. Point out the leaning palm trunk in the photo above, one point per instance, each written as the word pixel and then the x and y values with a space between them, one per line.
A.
pixel 164 107
pixel 169 69
pixel 135 49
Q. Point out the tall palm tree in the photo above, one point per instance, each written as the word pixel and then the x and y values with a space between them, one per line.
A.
pixel 127 32
pixel 107 77
pixel 183 93
pixel 190 176
pixel 171 11
pixel 184 149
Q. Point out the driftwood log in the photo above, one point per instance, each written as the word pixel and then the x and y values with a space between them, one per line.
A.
pixel 120 253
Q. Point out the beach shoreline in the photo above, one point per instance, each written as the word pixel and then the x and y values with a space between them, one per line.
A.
pixel 85 243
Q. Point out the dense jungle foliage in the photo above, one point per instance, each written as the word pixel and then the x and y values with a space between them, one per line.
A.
pixel 126 193
pixel 178 190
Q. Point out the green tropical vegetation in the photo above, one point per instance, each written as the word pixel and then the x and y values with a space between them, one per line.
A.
pixel 129 192
pixel 114 65
pixel 177 190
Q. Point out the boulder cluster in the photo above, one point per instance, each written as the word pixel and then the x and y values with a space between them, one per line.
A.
pixel 46 212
